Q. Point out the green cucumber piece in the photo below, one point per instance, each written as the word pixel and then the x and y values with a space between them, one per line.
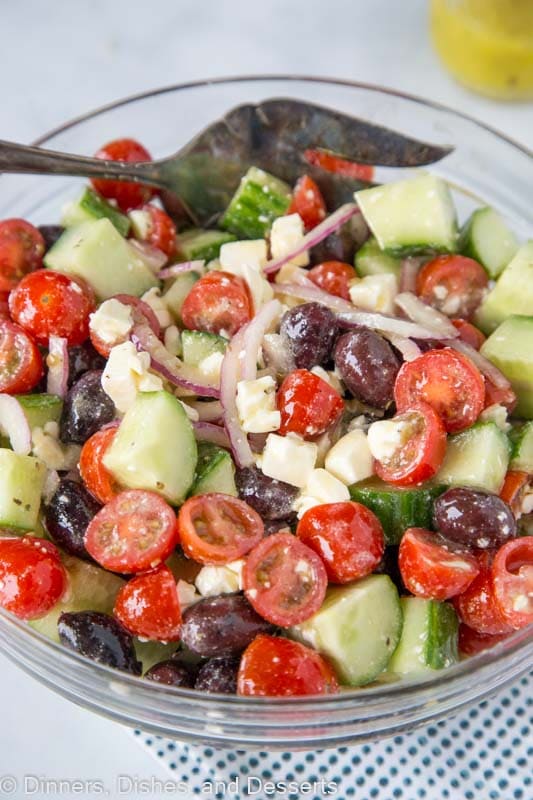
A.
pixel 215 471
pixel 513 293
pixel 510 348
pixel 478 457
pixel 371 260
pixel 397 509
pixel 21 489
pixel 357 628
pixel 89 207
pixel 150 652
pixel 202 244
pixel 40 408
pixel 258 201
pixel 429 637
pixel 198 345
pixel 486 237
pixel 522 447
pixel 177 292
pixel 154 447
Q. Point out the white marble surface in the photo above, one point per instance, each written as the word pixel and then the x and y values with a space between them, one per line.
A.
pixel 60 59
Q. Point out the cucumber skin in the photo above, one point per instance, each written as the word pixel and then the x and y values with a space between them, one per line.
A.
pixel 441 647
pixel 202 244
pixel 215 471
pixel 22 483
pixel 371 260
pixel 468 246
pixel 198 345
pixel 40 408
pixel 252 211
pixel 89 207
pixel 429 637
pixel 461 453
pixel 521 439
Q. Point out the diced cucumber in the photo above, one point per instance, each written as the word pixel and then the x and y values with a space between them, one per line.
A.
pixel 40 408
pixel 429 637
pixel 151 652
pixel 411 216
pixel 513 293
pixel 522 447
pixel 478 456
pixel 258 201
pixel 397 509
pixel 177 292
pixel 202 244
pixel 357 628
pixel 20 490
pixel 89 207
pixel 96 252
pixel 486 237
pixel 510 348
pixel 154 447
pixel 215 471
pixel 198 345
pixel 371 260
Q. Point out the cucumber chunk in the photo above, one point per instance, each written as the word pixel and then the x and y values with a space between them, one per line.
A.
pixel 357 628
pixel 522 448
pixel 371 260
pixel 429 637
pixel 510 348
pixel 154 447
pixel 397 509
pixel 40 408
pixel 411 216
pixel 20 491
pixel 478 456
pixel 174 296
pixel 89 207
pixel 258 201
pixel 201 244
pixel 215 471
pixel 198 345
pixel 513 293
pixel 486 237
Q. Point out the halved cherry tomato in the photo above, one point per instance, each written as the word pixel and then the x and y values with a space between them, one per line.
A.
pixel 148 606
pixel 348 537
pixel 275 667
pixel 512 577
pixel 307 201
pixel 21 363
pixel 218 303
pixel 308 405
pixel 472 642
pixel 141 312
pixel 422 448
pixel 49 303
pixel 284 580
pixel 477 606
pixel 128 195
pixel 218 528
pixel 468 333
pixel 134 532
pixel 454 285
pixel 32 577
pixel 95 476
pixel 495 395
pixel 21 251
pixel 334 277
pixel 448 381
pixel 162 231
pixel 515 484
pixel 434 567
pixel 340 166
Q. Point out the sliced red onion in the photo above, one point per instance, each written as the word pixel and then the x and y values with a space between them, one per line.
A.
pixel 483 364
pixel 14 425
pixel 409 349
pixel 208 411
pixel 380 322
pixel 58 366
pixel 276 354
pixel 315 294
pixel 179 269
pixel 257 441
pixel 253 334
pixel 314 237
pixel 426 315
pixel 408 273
pixel 229 377
pixel 152 257
pixel 207 432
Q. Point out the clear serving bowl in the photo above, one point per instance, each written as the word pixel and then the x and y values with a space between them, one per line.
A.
pixel 485 167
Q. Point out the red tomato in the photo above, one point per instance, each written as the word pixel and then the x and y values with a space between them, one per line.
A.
pixel 162 231
pixel 134 532
pixel 218 528
pixel 148 606
pixel 4 305
pixel 454 285
pixel 477 606
pixel 128 195
pixel 21 251
pixel 49 303
pixel 433 567
pixel 512 577
pixel 448 381
pixel 468 333
pixel 348 537
pixel 334 277
pixel 32 577
pixel 472 642
pixel 514 486
pixel 141 312
pixel 340 166
pixel 218 303
pixel 95 476
pixel 284 580
pixel 307 201
pixel 496 395
pixel 422 454
pixel 275 667
pixel 308 405
pixel 21 363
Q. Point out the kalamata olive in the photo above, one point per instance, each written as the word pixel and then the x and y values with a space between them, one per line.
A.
pixel 86 408
pixel 171 673
pixel 218 675
pixel 309 332
pixel 474 518
pixel 389 566
pixel 50 234
pixel 67 515
pixel 82 358
pixel 221 625
pixel 271 499
pixel 100 637
pixel 368 366
pixel 275 525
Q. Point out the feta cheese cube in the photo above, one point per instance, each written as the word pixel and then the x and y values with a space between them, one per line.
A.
pixel 286 234
pixel 350 459
pixel 321 487
pixel 386 437
pixel 127 373
pixel 55 454
pixel 187 594
pixel 256 405
pixel 289 458
pixel 375 293
pixel 112 321
pixel 213 580
pixel 498 414
pixel 210 367
pixel 233 255
pixel 141 223
pixel 153 298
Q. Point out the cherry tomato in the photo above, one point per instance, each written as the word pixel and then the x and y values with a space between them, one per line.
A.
pixel 141 312
pixel 495 395
pixel 49 303
pixel 284 580
pixel 161 231
pixel 334 277
pixel 448 381
pixel 148 606
pixel 128 195
pixel 275 667
pixel 134 532
pixel 218 303
pixel 308 405
pixel 454 285
pixel 4 305
pixel 95 476
pixel 434 567
pixel 516 483
pixel 32 577
pixel 512 577
pixel 468 333
pixel 21 251
pixel 21 363
pixel 422 452
pixel 477 606
pixel 340 166
pixel 348 537
pixel 218 528
pixel 307 201
pixel 472 642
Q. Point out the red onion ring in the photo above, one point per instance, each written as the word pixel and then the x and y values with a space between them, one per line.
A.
pixel 179 269
pixel 14 425
pixel 207 432
pixel 58 366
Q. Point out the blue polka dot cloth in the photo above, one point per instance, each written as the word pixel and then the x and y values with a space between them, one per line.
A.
pixel 484 753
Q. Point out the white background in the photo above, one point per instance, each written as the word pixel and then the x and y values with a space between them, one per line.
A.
pixel 61 58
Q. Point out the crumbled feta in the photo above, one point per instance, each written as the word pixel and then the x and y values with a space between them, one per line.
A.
pixel 234 255
pixel 375 292
pixel 213 580
pixel 192 413
pixel 112 321
pixel 321 487
pixel 359 423
pixel 289 458
pixel 386 437
pixel 141 223
pixel 329 377
pixel 47 447
pixel 158 305
pixel 210 367
pixel 256 405
pixel 350 459
pixel 127 373
pixel 172 340
pixel 498 414
pixel 290 273
pixel 286 234
pixel 187 594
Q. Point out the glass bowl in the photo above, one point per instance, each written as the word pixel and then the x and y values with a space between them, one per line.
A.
pixel 485 167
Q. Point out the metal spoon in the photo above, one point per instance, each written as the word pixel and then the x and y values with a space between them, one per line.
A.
pixel 272 135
